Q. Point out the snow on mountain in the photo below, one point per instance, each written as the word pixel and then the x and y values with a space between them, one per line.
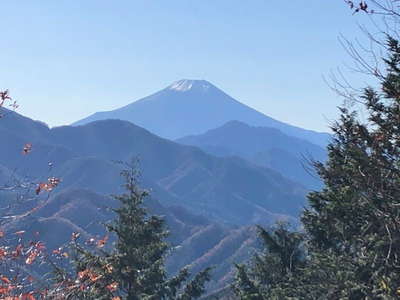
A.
pixel 189 107
pixel 185 85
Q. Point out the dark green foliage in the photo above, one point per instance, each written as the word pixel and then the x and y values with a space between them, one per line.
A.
pixel 357 215
pixel 281 261
pixel 353 224
pixel 134 268
pixel 140 245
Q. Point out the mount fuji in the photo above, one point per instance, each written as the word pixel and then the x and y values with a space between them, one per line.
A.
pixel 189 107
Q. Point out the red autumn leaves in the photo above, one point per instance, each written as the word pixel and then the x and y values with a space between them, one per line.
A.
pixel 101 243
pixel 51 183
pixel 27 253
pixel 14 283
pixel 93 274
pixel 48 186
pixel 33 252
pixel 88 277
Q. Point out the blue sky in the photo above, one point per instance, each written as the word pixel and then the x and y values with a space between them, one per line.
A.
pixel 63 60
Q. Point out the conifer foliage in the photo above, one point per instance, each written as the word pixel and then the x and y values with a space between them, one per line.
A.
pixel 357 215
pixel 134 268
pixel 283 256
pixel 353 224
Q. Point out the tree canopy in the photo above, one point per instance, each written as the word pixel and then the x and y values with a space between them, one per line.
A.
pixel 133 269
pixel 352 226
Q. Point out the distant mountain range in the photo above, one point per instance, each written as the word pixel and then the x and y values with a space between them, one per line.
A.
pixel 189 107
pixel 209 202
pixel 265 146
pixel 229 168
pixel 228 189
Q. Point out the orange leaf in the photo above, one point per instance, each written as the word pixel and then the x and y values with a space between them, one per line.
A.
pixel 2 253
pixel 18 250
pixel 5 279
pixel 40 246
pixel 82 274
pixel 31 258
pixel 48 186
pixel 112 287
pixel 94 277
pixel 6 289
pixel 27 296
pixel 101 243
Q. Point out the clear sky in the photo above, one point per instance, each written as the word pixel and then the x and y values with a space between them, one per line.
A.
pixel 63 60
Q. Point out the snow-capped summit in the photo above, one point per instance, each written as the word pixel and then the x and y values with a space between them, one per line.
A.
pixel 185 85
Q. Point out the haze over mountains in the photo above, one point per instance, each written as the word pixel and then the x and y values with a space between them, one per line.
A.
pixel 189 107
pixel 230 192
pixel 265 146
pixel 228 189
pixel 230 167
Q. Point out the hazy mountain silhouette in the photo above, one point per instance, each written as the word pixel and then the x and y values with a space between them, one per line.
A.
pixel 190 107
pixel 265 146
pixel 187 184
pixel 226 189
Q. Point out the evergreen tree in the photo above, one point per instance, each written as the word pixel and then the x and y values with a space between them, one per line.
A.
pixel 282 258
pixel 134 269
pixel 353 224
pixel 357 215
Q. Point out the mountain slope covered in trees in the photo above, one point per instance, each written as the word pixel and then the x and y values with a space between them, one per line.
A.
pixel 82 156
pixel 209 220
pixel 264 146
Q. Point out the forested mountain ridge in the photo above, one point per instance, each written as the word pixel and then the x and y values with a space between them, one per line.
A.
pixel 185 184
pixel 83 157
pixel 265 146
